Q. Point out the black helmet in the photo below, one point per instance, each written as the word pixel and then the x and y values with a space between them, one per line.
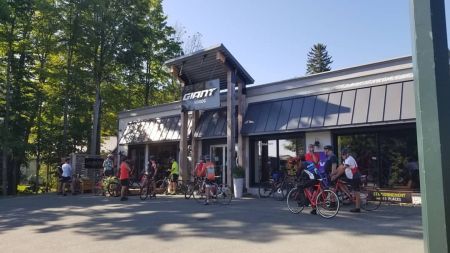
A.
pixel 329 147
pixel 344 151
pixel 207 158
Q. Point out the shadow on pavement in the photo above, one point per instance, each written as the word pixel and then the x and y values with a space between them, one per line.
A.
pixel 170 218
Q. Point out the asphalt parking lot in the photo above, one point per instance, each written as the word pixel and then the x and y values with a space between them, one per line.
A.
pixel 87 223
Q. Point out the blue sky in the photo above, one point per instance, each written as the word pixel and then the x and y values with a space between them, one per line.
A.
pixel 272 38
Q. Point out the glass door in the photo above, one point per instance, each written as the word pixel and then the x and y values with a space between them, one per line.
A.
pixel 218 155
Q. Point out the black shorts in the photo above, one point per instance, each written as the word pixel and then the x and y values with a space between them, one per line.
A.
pixel 66 179
pixel 125 182
pixel 174 178
pixel 355 182
pixel 108 173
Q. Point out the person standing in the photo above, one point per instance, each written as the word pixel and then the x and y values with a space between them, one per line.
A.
pixel 311 156
pixel 352 176
pixel 66 177
pixel 210 177
pixel 108 166
pixel 124 178
pixel 152 172
pixel 331 162
pixel 174 172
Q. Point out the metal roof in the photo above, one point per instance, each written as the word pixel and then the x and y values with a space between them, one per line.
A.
pixel 203 65
pixel 154 130
pixel 213 124
pixel 364 106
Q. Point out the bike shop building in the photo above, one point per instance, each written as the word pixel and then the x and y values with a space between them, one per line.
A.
pixel 369 109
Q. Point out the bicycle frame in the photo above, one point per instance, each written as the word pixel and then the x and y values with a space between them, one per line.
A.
pixel 312 196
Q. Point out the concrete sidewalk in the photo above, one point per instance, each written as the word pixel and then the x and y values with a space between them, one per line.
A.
pixel 87 223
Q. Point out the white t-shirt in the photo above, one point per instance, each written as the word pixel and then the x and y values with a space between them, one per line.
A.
pixel 67 170
pixel 350 164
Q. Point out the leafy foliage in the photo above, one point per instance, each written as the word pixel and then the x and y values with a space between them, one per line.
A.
pixel 59 58
pixel 318 59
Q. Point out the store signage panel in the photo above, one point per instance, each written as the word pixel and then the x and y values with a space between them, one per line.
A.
pixel 201 96
pixel 393 196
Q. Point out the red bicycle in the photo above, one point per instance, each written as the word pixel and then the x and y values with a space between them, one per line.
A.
pixel 325 201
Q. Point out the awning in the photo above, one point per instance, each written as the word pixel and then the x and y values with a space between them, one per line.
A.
pixel 366 106
pixel 153 130
pixel 212 124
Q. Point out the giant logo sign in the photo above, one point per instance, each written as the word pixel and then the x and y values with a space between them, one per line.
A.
pixel 201 96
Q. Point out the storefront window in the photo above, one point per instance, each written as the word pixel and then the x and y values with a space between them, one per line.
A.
pixel 388 159
pixel 272 155
pixel 290 148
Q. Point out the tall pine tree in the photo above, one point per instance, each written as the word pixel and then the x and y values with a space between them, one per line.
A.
pixel 318 59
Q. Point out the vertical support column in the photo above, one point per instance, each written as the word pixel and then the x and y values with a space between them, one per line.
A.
pixel 241 141
pixel 182 159
pixel 432 87
pixel 195 144
pixel 146 156
pixel 231 160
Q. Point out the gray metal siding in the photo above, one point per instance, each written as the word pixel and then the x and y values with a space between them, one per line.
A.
pixel 295 113
pixel 319 110
pixel 263 116
pixel 283 116
pixel 408 101
pixel 361 106
pixel 377 104
pixel 307 112
pixel 273 116
pixel 346 108
pixel 332 113
pixel 376 107
pixel 393 102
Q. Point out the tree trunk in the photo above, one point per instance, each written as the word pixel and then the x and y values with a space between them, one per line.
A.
pixel 7 111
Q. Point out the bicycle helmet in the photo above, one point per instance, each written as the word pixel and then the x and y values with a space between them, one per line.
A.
pixel 345 151
pixel 329 147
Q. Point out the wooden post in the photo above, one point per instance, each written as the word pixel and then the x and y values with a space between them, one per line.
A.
pixel 182 158
pixel 241 111
pixel 195 144
pixel 231 160
pixel 432 87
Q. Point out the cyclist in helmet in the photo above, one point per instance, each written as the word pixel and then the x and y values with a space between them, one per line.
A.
pixel 352 176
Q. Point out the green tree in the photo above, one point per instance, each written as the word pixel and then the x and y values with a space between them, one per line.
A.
pixel 318 59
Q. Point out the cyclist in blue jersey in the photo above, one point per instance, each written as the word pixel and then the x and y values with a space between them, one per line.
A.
pixel 308 176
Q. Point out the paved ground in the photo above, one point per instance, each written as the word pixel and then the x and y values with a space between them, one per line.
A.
pixel 89 223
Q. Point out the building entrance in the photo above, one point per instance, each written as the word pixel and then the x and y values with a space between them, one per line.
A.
pixel 218 155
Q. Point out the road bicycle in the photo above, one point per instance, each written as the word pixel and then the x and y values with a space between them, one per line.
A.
pixel 325 201
pixel 114 187
pixel 278 189
pixel 192 186
pixel 220 193
pixel 147 188
pixel 162 186
pixel 370 194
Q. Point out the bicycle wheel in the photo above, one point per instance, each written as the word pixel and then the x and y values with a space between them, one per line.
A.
pixel 295 201
pixel 370 198
pixel 189 190
pixel 327 204
pixel 224 195
pixel 281 192
pixel 181 187
pixel 161 186
pixel 143 192
pixel 265 189
pixel 198 194
pixel 114 189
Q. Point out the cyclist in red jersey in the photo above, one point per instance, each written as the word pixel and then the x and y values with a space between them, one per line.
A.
pixel 311 156
pixel 124 178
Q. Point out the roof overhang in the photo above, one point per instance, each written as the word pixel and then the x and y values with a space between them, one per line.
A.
pixel 208 64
